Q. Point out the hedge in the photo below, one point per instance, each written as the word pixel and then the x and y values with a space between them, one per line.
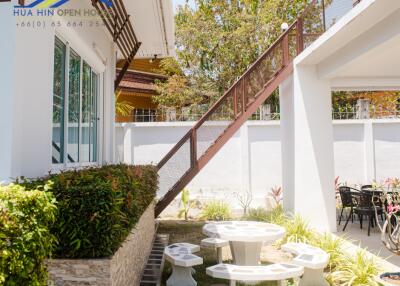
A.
pixel 98 207
pixel 25 239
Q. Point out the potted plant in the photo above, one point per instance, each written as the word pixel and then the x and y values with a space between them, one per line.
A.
pixel 388 194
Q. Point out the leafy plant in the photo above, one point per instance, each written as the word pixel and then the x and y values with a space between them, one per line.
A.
pixel 216 210
pixel 356 270
pixel 25 238
pixel 276 215
pixel 187 204
pixel 297 230
pixel 257 214
pixel 98 207
pixel 122 107
pixel 276 193
pixel 332 245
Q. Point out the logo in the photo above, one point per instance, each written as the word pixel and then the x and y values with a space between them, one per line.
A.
pixel 53 4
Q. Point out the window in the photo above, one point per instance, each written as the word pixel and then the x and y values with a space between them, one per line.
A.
pixel 74 115
pixel 58 102
pixel 144 115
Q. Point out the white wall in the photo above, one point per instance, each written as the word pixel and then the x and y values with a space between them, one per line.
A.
pixel 26 73
pixel 227 172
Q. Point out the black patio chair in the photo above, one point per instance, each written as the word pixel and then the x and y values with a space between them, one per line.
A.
pixel 347 201
pixel 366 188
pixel 365 207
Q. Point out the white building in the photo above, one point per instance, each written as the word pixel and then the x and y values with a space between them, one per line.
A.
pixel 46 71
pixel 57 72
pixel 360 52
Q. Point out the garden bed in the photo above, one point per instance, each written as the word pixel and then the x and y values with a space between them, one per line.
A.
pixel 122 269
pixel 346 262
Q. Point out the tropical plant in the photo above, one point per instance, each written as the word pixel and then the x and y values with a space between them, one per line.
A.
pixel 256 214
pixel 332 245
pixel 276 194
pixel 122 107
pixel 276 215
pixel 356 270
pixel 187 204
pixel 245 200
pixel 297 230
pixel 26 216
pixel 216 210
pixel 389 195
pixel 98 207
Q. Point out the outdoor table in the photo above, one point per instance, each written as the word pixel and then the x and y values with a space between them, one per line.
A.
pixel 245 238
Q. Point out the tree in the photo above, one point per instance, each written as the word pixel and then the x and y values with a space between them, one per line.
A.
pixel 217 42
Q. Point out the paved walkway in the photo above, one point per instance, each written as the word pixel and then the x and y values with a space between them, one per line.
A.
pixel 373 242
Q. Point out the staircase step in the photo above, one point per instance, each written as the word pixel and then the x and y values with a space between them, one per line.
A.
pixel 151 275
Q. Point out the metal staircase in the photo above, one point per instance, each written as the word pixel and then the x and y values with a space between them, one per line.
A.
pixel 199 145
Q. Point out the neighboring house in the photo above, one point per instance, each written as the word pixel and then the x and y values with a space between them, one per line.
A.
pixel 58 77
pixel 138 88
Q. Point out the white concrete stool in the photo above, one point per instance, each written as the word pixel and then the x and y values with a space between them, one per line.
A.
pixel 313 259
pixel 182 259
pixel 215 243
pixel 273 272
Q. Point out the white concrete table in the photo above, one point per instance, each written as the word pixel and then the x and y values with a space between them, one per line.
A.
pixel 245 238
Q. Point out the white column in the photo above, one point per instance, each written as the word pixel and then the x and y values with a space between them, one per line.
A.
pixel 128 144
pixel 369 152
pixel 286 99
pixel 313 151
pixel 8 101
pixel 245 159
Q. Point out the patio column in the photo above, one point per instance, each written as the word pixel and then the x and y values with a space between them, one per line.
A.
pixel 286 101
pixel 313 149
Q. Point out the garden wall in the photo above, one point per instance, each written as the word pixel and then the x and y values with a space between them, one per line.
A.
pixel 123 269
pixel 364 150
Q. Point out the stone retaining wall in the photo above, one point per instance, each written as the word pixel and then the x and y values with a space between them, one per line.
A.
pixel 122 269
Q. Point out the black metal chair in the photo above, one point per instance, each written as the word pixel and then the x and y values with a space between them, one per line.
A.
pixel 366 188
pixel 365 207
pixel 347 201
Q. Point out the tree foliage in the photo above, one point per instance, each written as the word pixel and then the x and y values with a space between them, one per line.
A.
pixel 217 41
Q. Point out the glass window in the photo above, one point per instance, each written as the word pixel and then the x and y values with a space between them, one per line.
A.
pixel 144 115
pixel 89 114
pixel 74 106
pixel 93 119
pixel 58 102
pixel 80 108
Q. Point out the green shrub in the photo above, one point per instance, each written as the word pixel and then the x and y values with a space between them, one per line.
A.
pixel 356 270
pixel 332 245
pixel 298 230
pixel 98 207
pixel 216 210
pixel 276 215
pixel 256 214
pixel 25 238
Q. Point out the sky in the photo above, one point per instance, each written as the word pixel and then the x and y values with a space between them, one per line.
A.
pixel 181 2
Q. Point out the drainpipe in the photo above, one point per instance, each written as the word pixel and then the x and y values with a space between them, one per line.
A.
pixel 323 15
pixel 164 28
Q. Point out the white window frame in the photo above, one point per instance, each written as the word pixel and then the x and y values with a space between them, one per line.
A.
pixel 99 105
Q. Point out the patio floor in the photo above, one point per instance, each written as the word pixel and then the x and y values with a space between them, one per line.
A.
pixel 373 242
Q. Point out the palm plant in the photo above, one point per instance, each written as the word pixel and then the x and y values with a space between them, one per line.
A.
pixel 122 107
pixel 187 204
